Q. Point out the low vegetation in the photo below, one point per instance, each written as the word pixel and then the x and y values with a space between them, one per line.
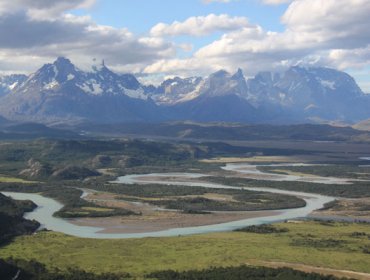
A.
pixel 6 179
pixel 32 270
pixel 74 205
pixel 355 190
pixel 191 199
pixel 263 229
pixel 224 131
pixel 140 257
pixel 240 272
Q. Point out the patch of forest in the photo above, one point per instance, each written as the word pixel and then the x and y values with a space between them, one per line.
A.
pixel 241 272
pixel 33 270
pixel 11 269
pixel 12 222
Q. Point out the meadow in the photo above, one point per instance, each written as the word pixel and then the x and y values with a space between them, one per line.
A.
pixel 340 246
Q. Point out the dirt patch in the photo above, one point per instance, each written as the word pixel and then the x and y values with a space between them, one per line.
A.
pixel 110 200
pixel 352 208
pixel 252 159
pixel 163 220
pixel 153 218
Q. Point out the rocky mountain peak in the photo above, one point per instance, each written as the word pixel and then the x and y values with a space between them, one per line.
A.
pixel 62 62
pixel 239 75
pixel 9 83
pixel 60 90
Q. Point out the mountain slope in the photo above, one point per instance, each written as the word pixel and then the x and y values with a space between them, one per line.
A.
pixel 8 83
pixel 294 96
pixel 229 131
pixel 62 93
pixel 311 93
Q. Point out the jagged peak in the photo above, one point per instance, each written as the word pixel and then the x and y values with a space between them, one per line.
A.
pixel 62 60
pixel 99 66
pixel 238 74
pixel 64 64
pixel 219 74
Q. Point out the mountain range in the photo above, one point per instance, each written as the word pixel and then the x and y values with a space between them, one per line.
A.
pixel 60 92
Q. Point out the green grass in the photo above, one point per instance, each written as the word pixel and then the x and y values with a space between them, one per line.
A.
pixel 97 209
pixel 141 256
pixel 5 179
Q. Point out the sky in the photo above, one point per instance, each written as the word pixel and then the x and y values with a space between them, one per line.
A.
pixel 159 38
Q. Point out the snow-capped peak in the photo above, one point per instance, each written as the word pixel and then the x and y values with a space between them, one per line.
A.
pixel 98 66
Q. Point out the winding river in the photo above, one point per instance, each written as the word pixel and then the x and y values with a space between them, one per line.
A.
pixel 47 206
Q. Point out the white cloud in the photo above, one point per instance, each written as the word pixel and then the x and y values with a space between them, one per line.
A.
pixel 199 26
pixel 276 2
pixel 43 8
pixel 38 39
pixel 332 33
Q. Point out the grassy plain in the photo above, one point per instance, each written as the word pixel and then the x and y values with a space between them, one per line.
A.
pixel 318 244
pixel 256 159
pixel 6 179
pixel 341 171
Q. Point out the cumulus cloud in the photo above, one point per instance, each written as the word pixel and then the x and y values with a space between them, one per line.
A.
pixel 42 8
pixel 199 26
pixel 276 2
pixel 25 35
pixel 318 32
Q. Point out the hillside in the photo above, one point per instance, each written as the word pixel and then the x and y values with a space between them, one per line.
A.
pixel 12 222
pixel 223 131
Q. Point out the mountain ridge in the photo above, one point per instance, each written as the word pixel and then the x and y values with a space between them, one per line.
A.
pixel 60 92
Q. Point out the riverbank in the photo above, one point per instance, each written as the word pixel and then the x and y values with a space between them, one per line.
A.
pixel 164 220
pixel 168 224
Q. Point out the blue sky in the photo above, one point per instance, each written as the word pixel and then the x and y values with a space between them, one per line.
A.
pixel 140 15
pixel 159 38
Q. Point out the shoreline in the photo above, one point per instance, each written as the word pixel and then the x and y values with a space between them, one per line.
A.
pixel 160 221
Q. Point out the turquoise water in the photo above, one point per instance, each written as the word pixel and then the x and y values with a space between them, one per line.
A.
pixel 48 206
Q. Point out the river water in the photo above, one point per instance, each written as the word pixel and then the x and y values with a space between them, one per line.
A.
pixel 47 206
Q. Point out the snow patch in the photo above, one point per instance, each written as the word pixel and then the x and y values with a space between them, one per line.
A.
pixel 192 95
pixel 97 89
pixel 85 88
pixel 55 69
pixel 91 87
pixel 70 77
pixel 51 85
pixel 12 86
pixel 328 84
pixel 137 94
